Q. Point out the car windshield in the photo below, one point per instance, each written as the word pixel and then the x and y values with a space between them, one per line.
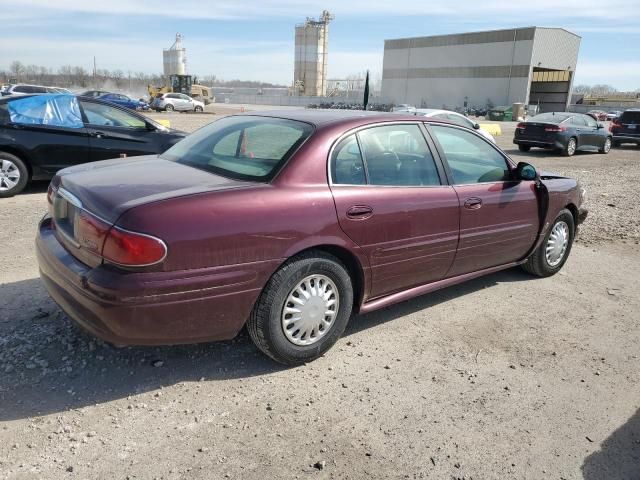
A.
pixel 550 117
pixel 242 147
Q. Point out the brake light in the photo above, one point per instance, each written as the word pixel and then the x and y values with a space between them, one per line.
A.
pixel 521 126
pixel 90 232
pixel 132 249
pixel 614 125
pixel 555 129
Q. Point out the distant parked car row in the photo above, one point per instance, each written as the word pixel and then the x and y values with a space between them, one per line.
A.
pixel 30 90
pixel 447 115
pixel 179 102
pixel 117 98
pixel 35 145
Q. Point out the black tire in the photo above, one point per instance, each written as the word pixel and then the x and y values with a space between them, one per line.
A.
pixel 524 148
pixel 168 108
pixel 606 147
pixel 568 151
pixel 265 325
pixel 198 109
pixel 615 144
pixel 9 166
pixel 537 263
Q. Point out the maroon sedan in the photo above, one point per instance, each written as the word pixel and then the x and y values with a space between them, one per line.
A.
pixel 289 222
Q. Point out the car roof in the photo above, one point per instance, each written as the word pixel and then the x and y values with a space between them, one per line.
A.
pixel 326 118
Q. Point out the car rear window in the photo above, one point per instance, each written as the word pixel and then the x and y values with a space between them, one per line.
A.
pixel 630 117
pixel 549 117
pixel 242 147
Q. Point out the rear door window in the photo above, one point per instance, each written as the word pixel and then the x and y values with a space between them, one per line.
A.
pixel 107 116
pixel 630 117
pixel 347 167
pixel 398 155
pixel 578 121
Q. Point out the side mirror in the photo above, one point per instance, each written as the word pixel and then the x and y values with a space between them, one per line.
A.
pixel 476 126
pixel 526 171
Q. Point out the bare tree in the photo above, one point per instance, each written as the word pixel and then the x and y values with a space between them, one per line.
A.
pixel 17 70
pixel 602 89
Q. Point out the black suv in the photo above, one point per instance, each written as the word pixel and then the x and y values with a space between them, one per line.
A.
pixel 626 128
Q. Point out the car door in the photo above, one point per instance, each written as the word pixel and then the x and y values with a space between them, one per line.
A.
pixel 114 132
pixel 498 215
pixel 50 129
pixel 579 129
pixel 187 102
pixel 595 137
pixel 392 202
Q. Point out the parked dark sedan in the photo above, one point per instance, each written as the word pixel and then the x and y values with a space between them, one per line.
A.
pixel 41 134
pixel 124 101
pixel 567 132
pixel 626 128
pixel 290 222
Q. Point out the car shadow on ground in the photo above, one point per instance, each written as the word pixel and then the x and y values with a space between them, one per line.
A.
pixel 619 455
pixel 39 186
pixel 48 365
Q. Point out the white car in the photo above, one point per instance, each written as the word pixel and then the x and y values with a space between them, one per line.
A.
pixel 176 101
pixel 455 118
pixel 23 89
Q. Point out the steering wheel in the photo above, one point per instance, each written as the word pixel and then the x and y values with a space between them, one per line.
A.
pixel 391 153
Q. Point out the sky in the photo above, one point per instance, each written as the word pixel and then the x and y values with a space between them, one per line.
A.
pixel 254 39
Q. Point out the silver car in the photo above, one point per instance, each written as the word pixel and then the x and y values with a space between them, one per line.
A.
pixel 24 89
pixel 176 101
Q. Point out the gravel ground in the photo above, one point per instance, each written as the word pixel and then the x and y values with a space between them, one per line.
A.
pixel 503 377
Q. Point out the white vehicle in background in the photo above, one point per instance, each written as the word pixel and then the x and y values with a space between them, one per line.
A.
pixel 176 101
pixel 24 89
pixel 455 118
pixel 403 108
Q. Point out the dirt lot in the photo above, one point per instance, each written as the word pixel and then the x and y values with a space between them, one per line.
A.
pixel 504 377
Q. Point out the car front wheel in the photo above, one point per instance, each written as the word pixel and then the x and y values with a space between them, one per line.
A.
pixel 14 175
pixel 552 253
pixel 198 108
pixel 303 309
pixel 169 108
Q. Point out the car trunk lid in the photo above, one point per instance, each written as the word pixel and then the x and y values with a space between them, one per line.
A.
pixel 536 130
pixel 109 188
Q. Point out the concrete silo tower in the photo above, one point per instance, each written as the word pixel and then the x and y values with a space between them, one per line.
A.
pixel 175 58
pixel 310 70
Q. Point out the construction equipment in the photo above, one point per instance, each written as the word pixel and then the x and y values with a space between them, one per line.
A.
pixel 183 84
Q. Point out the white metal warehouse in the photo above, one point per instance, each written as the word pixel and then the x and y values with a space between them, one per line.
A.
pixel 532 65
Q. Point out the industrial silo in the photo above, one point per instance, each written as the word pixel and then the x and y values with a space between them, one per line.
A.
pixel 310 70
pixel 175 58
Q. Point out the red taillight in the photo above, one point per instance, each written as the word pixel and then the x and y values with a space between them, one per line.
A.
pixel 521 126
pixel 132 249
pixel 555 129
pixel 614 125
pixel 90 232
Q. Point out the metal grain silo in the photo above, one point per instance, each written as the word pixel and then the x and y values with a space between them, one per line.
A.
pixel 310 69
pixel 175 58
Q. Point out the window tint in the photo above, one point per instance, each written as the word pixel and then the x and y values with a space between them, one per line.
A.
pixel 262 145
pixel 184 97
pixel 578 121
pixel 630 116
pixel 107 116
pixel 347 167
pixel 458 120
pixel 470 158
pixel 590 121
pixel 398 155
pixel 22 89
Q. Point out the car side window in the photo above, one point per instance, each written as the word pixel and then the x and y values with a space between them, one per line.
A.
pixel 471 159
pixel 347 167
pixel 104 115
pixel 398 155
pixel 578 121
pixel 184 97
pixel 590 122
pixel 457 120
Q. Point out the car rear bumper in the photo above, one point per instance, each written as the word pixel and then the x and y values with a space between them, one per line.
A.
pixel 626 138
pixel 539 143
pixel 153 308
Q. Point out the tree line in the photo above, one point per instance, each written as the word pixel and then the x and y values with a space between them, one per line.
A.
pixel 69 76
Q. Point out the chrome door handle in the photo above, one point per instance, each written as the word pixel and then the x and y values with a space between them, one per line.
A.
pixel 359 212
pixel 473 203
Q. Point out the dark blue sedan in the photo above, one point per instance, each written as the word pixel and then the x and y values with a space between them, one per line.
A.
pixel 124 101
pixel 563 131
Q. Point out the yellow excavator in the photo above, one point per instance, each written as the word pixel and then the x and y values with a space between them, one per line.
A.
pixel 183 84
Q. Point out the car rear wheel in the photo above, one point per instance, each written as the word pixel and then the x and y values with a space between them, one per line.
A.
pixel 570 148
pixel 554 250
pixel 606 147
pixel 303 309
pixel 14 175
pixel 524 148
pixel 198 108
pixel 169 108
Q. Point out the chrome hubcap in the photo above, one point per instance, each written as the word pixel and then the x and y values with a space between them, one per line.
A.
pixel 310 310
pixel 557 244
pixel 607 145
pixel 571 148
pixel 9 175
